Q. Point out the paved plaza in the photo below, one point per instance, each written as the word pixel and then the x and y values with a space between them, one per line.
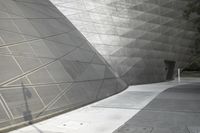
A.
pixel 152 108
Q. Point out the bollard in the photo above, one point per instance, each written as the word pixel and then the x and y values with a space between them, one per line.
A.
pixel 179 75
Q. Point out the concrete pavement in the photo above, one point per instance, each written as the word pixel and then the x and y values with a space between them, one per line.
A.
pixel 126 111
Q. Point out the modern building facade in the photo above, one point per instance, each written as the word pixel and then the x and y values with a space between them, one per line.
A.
pixel 50 63
pixel 142 40
pixel 46 65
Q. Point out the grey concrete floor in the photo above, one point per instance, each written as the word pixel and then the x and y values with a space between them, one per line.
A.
pixel 167 107
pixel 175 110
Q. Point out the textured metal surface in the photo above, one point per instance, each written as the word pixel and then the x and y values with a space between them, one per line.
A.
pixel 134 36
pixel 46 65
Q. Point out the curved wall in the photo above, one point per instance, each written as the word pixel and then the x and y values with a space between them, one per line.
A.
pixel 135 37
pixel 46 65
pixel 49 65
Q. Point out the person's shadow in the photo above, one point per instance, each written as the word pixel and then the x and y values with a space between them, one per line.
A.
pixel 27 112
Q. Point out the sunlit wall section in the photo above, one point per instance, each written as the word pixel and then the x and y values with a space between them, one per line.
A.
pixel 46 65
pixel 134 36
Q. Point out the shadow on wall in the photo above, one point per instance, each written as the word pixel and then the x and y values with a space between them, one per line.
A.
pixel 27 112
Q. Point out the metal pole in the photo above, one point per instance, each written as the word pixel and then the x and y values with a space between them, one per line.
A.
pixel 179 75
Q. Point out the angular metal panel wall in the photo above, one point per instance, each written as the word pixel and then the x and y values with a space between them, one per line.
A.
pixel 46 65
pixel 134 36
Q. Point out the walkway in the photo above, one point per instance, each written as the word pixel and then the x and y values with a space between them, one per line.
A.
pixel 151 108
